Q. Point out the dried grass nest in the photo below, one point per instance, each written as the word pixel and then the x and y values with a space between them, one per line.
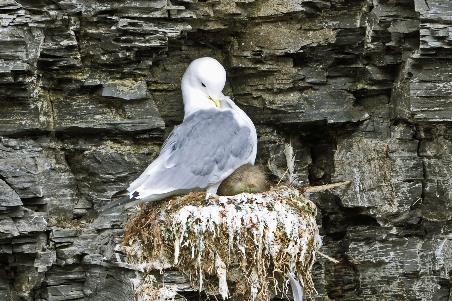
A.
pixel 241 246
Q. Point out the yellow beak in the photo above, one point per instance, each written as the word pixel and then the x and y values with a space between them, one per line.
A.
pixel 216 102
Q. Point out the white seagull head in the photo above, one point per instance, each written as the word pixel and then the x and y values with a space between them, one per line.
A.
pixel 202 85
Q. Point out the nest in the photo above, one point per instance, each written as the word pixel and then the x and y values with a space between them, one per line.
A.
pixel 242 246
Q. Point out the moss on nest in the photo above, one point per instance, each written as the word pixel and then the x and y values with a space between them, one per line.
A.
pixel 242 246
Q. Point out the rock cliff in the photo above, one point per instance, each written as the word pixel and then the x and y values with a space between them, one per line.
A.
pixel 339 90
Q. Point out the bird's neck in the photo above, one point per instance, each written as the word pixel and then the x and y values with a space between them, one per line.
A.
pixel 194 99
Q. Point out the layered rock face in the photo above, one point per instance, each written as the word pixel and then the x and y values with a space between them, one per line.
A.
pixel 339 90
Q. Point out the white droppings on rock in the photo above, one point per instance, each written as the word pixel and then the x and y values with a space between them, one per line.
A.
pixel 222 279
pixel 254 283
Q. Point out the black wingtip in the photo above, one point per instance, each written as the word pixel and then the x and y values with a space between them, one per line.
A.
pixel 118 199
pixel 135 194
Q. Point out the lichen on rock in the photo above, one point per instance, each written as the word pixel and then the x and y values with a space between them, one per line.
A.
pixel 242 246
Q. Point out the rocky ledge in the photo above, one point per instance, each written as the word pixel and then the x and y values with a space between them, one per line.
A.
pixel 339 91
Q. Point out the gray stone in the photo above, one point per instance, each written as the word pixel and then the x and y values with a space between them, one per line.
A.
pixel 65 292
pixel 8 197
pixel 406 255
pixel 339 90
pixel 437 158
pixel 19 167
pixel 76 114
pixel 386 175
pixel 32 222
pixel 8 228
pixel 45 260
pixel 125 90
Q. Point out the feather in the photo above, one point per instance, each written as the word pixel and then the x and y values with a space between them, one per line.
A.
pixel 297 289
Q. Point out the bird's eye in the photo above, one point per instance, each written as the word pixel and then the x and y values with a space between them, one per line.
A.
pixel 203 84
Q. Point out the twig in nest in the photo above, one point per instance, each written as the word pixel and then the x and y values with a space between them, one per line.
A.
pixel 328 257
pixel 324 187
pixel 282 177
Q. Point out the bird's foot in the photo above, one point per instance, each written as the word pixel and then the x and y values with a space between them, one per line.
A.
pixel 211 198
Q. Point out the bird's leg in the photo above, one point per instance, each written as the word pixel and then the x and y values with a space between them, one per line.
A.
pixel 211 198
pixel 211 192
pixel 210 195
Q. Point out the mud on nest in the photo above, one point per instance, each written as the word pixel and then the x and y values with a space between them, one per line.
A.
pixel 241 246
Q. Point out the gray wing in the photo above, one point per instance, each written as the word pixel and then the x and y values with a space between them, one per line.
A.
pixel 206 148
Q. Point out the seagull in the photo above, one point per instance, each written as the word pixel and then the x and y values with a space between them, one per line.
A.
pixel 215 138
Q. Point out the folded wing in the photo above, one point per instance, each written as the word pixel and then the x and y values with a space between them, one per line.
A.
pixel 205 149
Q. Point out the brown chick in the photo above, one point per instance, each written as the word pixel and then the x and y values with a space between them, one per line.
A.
pixel 247 178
